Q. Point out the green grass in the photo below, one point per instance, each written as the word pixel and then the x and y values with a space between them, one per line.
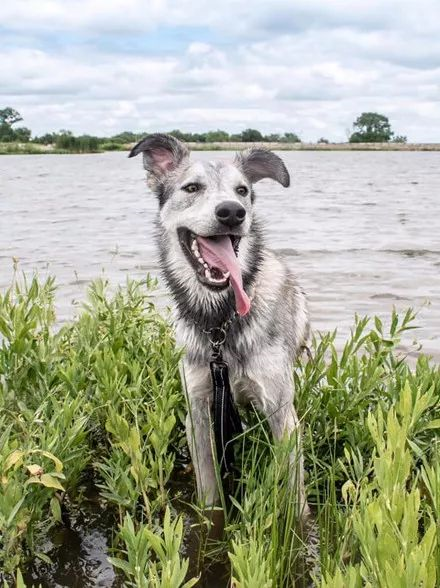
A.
pixel 101 399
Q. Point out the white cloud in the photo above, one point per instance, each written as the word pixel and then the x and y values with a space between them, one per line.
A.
pixel 311 67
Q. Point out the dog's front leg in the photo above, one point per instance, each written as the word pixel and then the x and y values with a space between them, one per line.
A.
pixel 274 392
pixel 198 387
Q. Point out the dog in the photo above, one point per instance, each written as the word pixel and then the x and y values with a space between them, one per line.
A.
pixel 222 275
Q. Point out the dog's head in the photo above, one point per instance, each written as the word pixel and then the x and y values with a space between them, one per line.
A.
pixel 206 212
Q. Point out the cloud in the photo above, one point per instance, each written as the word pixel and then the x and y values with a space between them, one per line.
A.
pixel 309 67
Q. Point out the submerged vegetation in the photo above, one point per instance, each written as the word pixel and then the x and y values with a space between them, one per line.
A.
pixel 99 402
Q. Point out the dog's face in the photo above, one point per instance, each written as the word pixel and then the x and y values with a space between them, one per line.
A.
pixel 206 212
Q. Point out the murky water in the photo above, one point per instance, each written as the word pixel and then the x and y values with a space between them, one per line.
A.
pixel 361 230
pixel 79 549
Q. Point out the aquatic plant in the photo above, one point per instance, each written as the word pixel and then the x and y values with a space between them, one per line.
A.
pixel 99 401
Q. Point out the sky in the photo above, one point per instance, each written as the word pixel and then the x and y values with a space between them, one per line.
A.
pixel 307 66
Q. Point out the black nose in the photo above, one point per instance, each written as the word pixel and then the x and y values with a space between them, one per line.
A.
pixel 230 213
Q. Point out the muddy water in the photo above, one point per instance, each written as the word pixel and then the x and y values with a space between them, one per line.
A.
pixel 361 230
pixel 78 549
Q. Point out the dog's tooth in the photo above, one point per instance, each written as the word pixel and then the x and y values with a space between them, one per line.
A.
pixel 208 274
pixel 206 265
pixel 218 280
pixel 226 275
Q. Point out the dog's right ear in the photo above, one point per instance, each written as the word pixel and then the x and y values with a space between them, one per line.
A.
pixel 162 153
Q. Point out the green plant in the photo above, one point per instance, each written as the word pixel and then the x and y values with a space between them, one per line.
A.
pixel 99 401
pixel 395 536
pixel 152 557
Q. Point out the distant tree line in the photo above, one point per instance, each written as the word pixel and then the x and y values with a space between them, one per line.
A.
pixel 369 127
pixel 65 139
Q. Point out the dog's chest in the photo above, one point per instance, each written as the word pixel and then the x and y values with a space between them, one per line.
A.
pixel 236 349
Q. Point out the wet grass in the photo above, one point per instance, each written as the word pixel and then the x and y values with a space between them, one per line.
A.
pixel 98 405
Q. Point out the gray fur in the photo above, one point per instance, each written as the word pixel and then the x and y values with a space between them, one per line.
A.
pixel 261 347
pixel 161 154
pixel 262 163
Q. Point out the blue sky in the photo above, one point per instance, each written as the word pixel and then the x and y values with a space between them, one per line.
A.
pixel 309 66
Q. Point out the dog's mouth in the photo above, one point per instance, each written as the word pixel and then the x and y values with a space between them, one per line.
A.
pixel 207 272
pixel 215 261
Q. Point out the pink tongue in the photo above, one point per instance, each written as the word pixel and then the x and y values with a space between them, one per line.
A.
pixel 218 252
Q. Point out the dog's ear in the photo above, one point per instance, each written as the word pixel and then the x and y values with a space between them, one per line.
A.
pixel 162 153
pixel 257 164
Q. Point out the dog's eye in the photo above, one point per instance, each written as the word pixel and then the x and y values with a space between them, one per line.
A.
pixel 242 190
pixel 191 188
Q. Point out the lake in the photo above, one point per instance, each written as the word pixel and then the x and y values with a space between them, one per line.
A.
pixel 360 229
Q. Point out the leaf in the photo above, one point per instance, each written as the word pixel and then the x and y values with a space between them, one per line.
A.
pixel 191 582
pixel 348 491
pixel 121 564
pixel 55 507
pixel 43 557
pixel 46 480
pixel 20 582
pixel 58 463
pixel 434 424
pixel 15 511
pixel 378 324
pixel 58 475
pixel 35 469
pixel 16 457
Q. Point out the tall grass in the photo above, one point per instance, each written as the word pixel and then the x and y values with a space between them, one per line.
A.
pixel 101 399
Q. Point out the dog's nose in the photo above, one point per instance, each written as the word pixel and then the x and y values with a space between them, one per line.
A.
pixel 230 213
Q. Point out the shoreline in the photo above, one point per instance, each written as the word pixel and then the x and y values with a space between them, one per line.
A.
pixel 37 149
pixel 229 146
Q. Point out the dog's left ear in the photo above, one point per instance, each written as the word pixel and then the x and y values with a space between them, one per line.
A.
pixel 257 164
pixel 162 153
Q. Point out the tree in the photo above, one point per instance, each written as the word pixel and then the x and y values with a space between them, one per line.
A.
pixel 251 136
pixel 66 141
pixel 46 139
pixel 181 135
pixel 400 139
pixel 9 116
pixel 22 134
pixel 7 133
pixel 272 138
pixel 290 138
pixel 371 127
pixel 217 136
pixel 126 137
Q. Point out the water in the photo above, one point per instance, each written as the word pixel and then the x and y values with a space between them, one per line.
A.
pixel 78 549
pixel 360 229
